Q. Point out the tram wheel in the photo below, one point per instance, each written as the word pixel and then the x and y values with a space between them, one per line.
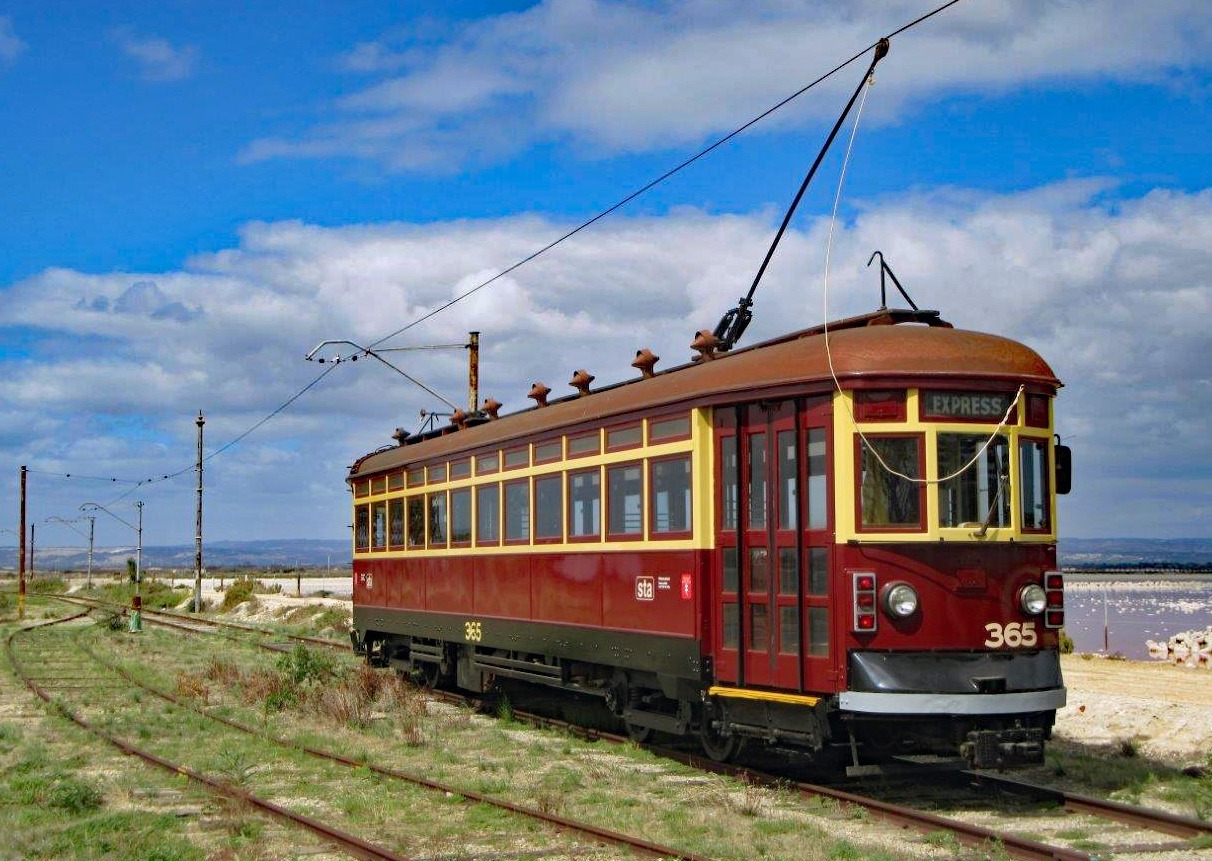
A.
pixel 429 675
pixel 718 747
pixel 638 734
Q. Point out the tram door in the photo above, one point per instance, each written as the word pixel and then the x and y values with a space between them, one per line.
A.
pixel 772 617
pixel 759 546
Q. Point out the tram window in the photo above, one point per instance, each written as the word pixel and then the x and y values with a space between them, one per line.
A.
pixel 757 481
pixel 548 451
pixel 818 571
pixel 732 625
pixel 625 500
pixel 460 468
pixel 731 574
pixel 486 463
pixel 517 511
pixel 579 446
pixel 624 437
pixel 549 507
pixel 728 485
pixel 788 501
pixel 585 504
pixel 416 521
pixel 670 499
pixel 437 520
pixel 982 491
pixel 880 405
pixel 1037 411
pixel 437 473
pixel 818 631
pixel 362 488
pixel 416 476
pixel 460 516
pixel 395 481
pixel 378 485
pixel 669 429
pixel 789 571
pixel 887 500
pixel 378 526
pixel 759 633
pixel 789 630
pixel 1033 478
pixel 818 512
pixel 362 527
pixel 759 569
pixel 488 514
pixel 517 457
pixel 395 524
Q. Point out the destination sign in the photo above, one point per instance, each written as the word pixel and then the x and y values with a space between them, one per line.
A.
pixel 965 405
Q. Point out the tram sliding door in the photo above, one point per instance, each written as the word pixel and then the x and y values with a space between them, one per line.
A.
pixel 772 549
pixel 758 544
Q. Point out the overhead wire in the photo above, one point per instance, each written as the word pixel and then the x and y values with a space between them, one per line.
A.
pixel 549 246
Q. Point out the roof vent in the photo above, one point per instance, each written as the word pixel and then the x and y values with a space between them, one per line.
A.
pixel 539 393
pixel 645 361
pixel 458 418
pixel 581 380
pixel 399 436
pixel 704 344
pixel 492 407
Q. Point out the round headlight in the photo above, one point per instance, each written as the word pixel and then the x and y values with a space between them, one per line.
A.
pixel 900 600
pixel 1032 599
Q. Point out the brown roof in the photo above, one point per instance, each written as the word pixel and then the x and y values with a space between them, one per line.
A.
pixel 776 368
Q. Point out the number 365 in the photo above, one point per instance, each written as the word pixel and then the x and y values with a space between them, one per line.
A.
pixel 1012 635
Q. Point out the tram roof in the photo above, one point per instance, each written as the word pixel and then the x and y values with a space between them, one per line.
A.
pixel 863 355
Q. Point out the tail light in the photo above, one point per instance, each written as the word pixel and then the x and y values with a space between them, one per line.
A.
pixel 864 601
pixel 1054 610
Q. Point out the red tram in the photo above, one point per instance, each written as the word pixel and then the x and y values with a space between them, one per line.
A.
pixel 838 540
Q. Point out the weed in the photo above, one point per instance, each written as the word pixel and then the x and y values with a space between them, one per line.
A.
pixel 236 593
pixel 945 840
pixel 504 710
pixel 1128 748
pixel 46 585
pixel 74 796
pixel 192 686
pixel 303 666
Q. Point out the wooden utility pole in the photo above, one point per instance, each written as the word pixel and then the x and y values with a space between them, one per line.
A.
pixel 198 535
pixel 21 565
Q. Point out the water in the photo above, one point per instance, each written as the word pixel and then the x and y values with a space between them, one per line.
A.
pixel 1135 612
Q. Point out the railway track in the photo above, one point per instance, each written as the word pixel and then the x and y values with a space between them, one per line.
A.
pixel 966 833
pixel 62 684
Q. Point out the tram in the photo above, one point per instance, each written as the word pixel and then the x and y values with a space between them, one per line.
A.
pixel 842 541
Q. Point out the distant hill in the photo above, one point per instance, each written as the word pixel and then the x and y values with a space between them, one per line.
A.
pixel 285 553
pixel 1135 552
pixel 319 553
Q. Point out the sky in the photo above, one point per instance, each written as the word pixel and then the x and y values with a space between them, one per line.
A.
pixel 194 195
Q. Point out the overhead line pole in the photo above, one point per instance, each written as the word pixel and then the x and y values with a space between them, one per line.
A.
pixel 21 564
pixel 198 535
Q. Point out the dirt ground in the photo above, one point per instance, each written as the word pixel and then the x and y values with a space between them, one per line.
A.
pixel 1166 710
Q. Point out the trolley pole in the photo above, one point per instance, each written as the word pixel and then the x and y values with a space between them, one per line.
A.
pixel 21 564
pixel 473 372
pixel 198 535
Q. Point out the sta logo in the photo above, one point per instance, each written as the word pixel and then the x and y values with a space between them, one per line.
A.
pixel 645 590
pixel 473 632
pixel 1012 635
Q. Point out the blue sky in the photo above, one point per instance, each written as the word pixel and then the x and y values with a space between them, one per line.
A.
pixel 195 194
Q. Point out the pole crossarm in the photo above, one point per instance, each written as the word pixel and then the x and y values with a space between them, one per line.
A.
pixel 96 506
pixel 367 351
pixel 69 523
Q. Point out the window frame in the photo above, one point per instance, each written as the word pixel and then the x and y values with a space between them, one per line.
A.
pixel 505 519
pixel 480 541
pixel 922 502
pixel 670 535
pixel 569 519
pixel 481 469
pixel 679 416
pixel 637 425
pixel 553 479
pixel 1047 476
pixel 362 528
pixel 471 519
pixel 573 439
pixel 430 499
pixel 638 535
pixel 536 458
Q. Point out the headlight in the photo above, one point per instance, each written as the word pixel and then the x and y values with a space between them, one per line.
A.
pixel 1032 599
pixel 900 600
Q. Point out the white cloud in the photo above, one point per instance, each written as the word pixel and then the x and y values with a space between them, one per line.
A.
pixel 158 59
pixel 1115 298
pixel 10 45
pixel 633 76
